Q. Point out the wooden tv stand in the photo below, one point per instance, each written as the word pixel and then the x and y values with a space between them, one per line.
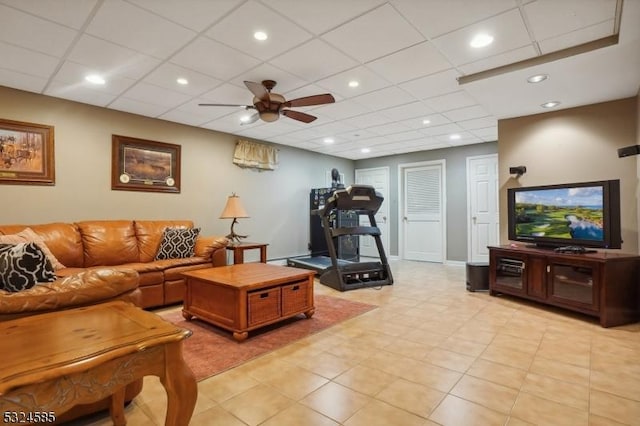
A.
pixel 601 284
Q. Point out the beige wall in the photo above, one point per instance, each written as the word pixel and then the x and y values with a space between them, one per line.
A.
pixel 278 201
pixel 573 145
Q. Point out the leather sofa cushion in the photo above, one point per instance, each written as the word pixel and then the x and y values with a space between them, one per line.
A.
pixel 63 239
pixel 149 233
pixel 109 242
pixel 85 288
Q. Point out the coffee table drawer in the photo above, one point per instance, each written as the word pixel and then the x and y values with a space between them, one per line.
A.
pixel 295 297
pixel 264 306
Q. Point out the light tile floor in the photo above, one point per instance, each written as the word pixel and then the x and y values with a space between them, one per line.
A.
pixel 432 353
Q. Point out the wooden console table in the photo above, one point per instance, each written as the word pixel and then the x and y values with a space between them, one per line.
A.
pixel 54 361
pixel 602 284
pixel 239 249
pixel 243 297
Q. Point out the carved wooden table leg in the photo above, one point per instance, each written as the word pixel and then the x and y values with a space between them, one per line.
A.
pixel 180 384
pixel 116 408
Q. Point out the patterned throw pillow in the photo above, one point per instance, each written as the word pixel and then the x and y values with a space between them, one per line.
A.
pixel 22 266
pixel 177 243
pixel 28 235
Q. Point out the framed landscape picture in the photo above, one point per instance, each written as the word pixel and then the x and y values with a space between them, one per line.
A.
pixel 26 153
pixel 142 165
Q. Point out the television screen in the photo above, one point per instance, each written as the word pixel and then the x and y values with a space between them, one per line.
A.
pixel 586 214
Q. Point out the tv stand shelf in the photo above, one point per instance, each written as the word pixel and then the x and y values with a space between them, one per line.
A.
pixel 601 284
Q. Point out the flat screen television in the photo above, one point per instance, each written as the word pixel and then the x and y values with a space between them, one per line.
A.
pixel 585 214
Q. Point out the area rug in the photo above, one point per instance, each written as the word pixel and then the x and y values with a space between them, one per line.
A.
pixel 211 350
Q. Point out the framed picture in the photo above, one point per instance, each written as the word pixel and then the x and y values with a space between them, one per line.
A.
pixel 142 165
pixel 26 153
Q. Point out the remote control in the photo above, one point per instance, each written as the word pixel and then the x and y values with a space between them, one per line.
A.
pixel 572 249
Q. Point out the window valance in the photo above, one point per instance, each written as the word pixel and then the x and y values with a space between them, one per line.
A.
pixel 255 155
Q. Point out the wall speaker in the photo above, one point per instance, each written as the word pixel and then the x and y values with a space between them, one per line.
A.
pixel 628 151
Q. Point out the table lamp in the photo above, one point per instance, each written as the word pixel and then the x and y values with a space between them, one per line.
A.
pixel 233 210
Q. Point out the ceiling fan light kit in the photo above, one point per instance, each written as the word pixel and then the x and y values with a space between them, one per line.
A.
pixel 269 106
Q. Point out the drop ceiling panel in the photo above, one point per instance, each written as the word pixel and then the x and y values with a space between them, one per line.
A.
pixel 24 30
pixel 510 57
pixel 508 30
pixel 321 16
pixel 138 29
pixel 167 74
pixel 138 107
pixel 478 123
pixel 444 129
pixel 71 13
pixel 407 111
pixel 385 98
pixel 410 63
pixel 85 95
pixel 467 113
pixel 433 85
pixel 236 30
pixel 110 59
pixel 184 117
pixel 314 60
pixel 22 81
pixel 156 95
pixel 367 120
pixel 436 17
pixel 367 37
pixel 214 59
pixel 367 80
pixel 552 18
pixel 72 76
pixel 20 60
pixel 343 109
pixel 574 38
pixel 197 15
pixel 455 100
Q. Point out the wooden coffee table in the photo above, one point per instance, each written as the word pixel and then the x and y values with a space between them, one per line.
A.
pixel 243 297
pixel 54 361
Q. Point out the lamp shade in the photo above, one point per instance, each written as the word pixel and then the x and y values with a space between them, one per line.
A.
pixel 233 208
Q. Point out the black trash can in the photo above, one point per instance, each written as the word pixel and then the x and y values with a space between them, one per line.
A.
pixel 477 276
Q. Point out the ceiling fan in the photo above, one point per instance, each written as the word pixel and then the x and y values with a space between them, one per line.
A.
pixel 270 105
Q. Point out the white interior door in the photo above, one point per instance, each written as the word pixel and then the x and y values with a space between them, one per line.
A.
pixel 423 213
pixel 482 195
pixel 379 179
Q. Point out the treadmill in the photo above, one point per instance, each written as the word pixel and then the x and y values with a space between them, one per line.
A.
pixel 363 200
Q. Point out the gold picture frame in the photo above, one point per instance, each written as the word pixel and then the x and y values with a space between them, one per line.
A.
pixel 143 165
pixel 26 153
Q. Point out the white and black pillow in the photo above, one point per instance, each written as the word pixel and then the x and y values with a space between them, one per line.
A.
pixel 177 243
pixel 22 266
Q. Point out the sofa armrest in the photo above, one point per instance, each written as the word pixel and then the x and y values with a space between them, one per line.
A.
pixel 212 248
pixel 85 288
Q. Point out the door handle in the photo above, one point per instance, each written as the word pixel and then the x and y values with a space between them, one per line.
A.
pixel 474 219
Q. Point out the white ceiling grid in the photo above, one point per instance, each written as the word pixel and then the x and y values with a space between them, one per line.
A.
pixel 406 55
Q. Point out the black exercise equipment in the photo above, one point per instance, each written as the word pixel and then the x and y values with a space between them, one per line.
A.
pixel 362 200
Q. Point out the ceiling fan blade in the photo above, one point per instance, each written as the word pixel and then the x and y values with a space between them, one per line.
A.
pixel 251 119
pixel 311 100
pixel 229 105
pixel 258 90
pixel 300 116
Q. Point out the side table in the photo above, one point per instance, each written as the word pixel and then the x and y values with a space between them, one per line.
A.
pixel 54 361
pixel 239 249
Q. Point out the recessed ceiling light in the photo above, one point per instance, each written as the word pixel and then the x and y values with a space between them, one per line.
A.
pixel 245 118
pixel 328 140
pixel 260 35
pixel 426 121
pixel 550 104
pixel 182 80
pixel 365 150
pixel 95 79
pixel 481 40
pixel 538 78
pixel 454 137
pixel 354 83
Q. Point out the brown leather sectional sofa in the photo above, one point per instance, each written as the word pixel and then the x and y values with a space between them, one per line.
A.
pixel 126 244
